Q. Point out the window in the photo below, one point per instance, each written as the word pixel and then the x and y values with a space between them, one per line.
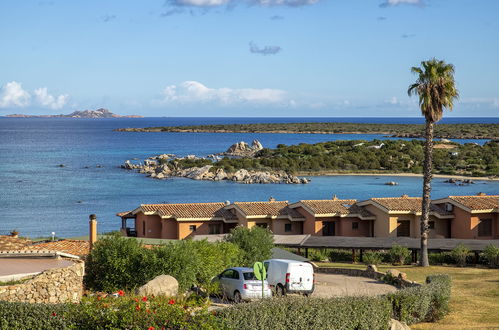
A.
pixel 262 225
pixel 485 227
pixel 214 229
pixel 328 229
pixel 403 228
pixel 431 224
pixel 249 276
pixel 192 227
pixel 355 225
pixel 229 273
pixel 287 227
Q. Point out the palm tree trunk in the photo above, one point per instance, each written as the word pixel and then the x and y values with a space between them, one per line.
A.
pixel 427 175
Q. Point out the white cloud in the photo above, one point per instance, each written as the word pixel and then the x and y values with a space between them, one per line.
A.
pixel 231 3
pixel 477 101
pixel 200 3
pixel 49 101
pixel 13 95
pixel 393 100
pixel 193 91
pixel 390 3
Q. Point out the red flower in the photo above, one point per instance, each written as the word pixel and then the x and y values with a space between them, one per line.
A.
pixel 99 298
pixel 121 293
pixel 137 307
pixel 150 328
pixel 136 299
pixel 171 302
pixel 144 298
pixel 54 314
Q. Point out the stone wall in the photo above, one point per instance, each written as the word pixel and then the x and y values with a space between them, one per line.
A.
pixel 53 286
pixel 369 272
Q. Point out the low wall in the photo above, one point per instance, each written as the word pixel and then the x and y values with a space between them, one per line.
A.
pixel 369 273
pixel 58 285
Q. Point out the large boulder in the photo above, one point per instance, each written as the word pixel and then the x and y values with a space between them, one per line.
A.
pixel 397 325
pixel 199 173
pixel 256 145
pixel 162 285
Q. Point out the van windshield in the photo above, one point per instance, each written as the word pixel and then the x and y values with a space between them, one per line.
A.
pixel 249 276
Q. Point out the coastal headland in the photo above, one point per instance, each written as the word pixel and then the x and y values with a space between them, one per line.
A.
pixel 255 164
pixel 442 131
pixel 99 113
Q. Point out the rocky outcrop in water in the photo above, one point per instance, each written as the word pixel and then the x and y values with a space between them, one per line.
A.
pixel 242 149
pixel 209 172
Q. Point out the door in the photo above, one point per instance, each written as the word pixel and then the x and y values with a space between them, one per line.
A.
pixel 403 228
pixel 328 228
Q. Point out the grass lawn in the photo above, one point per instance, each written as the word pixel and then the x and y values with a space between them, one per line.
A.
pixel 475 294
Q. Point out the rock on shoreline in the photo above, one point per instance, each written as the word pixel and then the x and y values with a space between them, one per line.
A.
pixel 156 170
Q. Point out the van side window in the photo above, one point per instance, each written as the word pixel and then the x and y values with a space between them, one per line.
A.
pixel 266 265
pixel 235 275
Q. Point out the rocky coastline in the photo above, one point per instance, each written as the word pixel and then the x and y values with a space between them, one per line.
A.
pixel 167 166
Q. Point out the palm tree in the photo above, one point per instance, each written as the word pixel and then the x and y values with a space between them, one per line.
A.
pixel 436 89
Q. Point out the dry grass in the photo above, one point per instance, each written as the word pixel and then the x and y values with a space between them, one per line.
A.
pixel 475 294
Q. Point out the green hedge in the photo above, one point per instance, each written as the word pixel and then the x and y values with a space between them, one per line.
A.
pixel 426 303
pixel 429 302
pixel 315 313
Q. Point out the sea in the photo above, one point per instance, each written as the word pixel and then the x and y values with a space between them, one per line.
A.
pixel 38 197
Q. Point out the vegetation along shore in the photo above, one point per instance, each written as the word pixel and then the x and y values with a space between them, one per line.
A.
pixel 334 157
pixel 446 131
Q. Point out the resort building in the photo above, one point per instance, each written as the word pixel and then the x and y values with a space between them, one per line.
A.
pixel 474 217
pixel 465 217
pixel 400 217
pixel 335 217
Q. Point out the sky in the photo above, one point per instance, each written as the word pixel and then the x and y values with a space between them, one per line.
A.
pixel 243 58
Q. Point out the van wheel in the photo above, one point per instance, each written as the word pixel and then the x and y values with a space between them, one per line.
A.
pixel 237 297
pixel 280 290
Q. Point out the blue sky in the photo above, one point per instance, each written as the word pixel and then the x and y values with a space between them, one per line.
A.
pixel 243 57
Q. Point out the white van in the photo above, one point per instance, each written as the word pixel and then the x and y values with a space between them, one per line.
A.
pixel 290 276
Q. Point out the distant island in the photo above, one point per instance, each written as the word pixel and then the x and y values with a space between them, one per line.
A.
pixel 445 131
pixel 99 113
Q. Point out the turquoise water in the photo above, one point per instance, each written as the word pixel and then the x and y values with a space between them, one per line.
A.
pixel 38 197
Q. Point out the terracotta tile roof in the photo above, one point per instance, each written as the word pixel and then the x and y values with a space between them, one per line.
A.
pixel 271 208
pixel 75 247
pixel 475 203
pixel 335 206
pixel 125 214
pixel 188 210
pixel 407 204
pixel 9 243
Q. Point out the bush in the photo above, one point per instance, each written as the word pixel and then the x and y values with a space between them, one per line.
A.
pixel 33 316
pixel 429 302
pixel 109 313
pixel 460 253
pixel 117 263
pixel 491 253
pixel 303 313
pixel 338 255
pixel 441 291
pixel 372 258
pixel 256 243
pixel 318 255
pixel 121 263
pixel 440 258
pixel 398 254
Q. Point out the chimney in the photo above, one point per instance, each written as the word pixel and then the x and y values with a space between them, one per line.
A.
pixel 271 199
pixel 335 198
pixel 227 203
pixel 481 194
pixel 405 196
pixel 93 230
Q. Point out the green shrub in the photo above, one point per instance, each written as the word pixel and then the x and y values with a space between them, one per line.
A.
pixel 303 313
pixel 119 263
pixel 491 253
pixel 429 302
pixel 318 255
pixel 460 253
pixel 339 255
pixel 372 258
pixel 33 316
pixel 440 258
pixel 256 243
pixel 440 286
pixel 399 254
